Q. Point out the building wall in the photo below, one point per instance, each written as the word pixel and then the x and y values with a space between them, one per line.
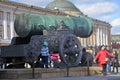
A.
pixel 115 38
pixel 101 35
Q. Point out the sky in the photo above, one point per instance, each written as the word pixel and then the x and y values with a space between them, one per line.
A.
pixel 104 10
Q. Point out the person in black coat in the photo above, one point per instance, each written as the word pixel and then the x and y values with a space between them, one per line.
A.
pixel 115 61
pixel 87 58
pixel 109 62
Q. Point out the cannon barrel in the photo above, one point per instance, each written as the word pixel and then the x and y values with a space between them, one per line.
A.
pixel 27 25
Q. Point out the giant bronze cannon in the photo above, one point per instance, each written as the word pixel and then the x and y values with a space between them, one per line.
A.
pixel 60 32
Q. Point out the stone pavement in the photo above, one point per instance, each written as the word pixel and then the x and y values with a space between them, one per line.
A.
pixel 107 77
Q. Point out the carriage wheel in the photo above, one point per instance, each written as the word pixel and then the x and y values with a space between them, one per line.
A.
pixel 70 50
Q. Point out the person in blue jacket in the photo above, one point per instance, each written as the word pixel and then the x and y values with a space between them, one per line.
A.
pixel 45 54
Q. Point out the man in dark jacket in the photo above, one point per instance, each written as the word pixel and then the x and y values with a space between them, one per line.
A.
pixel 115 61
pixel 109 59
pixel 86 58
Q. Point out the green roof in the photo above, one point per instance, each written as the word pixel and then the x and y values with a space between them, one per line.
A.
pixel 62 5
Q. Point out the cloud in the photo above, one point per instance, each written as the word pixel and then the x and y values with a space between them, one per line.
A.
pixel 88 1
pixel 116 22
pixel 106 18
pixel 115 30
pixel 98 9
pixel 115 26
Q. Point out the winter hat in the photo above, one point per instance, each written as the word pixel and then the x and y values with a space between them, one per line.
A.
pixel 45 43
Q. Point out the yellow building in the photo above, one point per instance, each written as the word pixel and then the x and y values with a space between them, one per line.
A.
pixel 9 10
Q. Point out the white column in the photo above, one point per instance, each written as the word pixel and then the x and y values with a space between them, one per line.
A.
pixel 106 36
pixel 5 25
pixel 92 39
pixel 98 36
pixel 81 40
pixel 11 24
pixel 101 37
pixel 86 39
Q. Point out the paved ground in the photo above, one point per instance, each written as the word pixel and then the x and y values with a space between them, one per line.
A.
pixel 107 77
pixel 111 76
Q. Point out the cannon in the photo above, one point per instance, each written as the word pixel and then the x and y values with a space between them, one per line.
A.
pixel 60 32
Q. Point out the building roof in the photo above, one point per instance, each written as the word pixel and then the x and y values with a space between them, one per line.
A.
pixel 62 5
pixel 28 7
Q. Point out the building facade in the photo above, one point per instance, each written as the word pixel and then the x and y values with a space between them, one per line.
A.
pixel 115 39
pixel 9 10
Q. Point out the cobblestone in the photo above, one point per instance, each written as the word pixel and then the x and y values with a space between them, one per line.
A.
pixel 107 77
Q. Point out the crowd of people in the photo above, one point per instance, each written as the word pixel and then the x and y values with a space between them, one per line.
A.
pixel 104 57
pixel 107 59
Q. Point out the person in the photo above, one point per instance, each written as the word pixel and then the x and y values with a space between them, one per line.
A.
pixel 86 56
pixel 45 54
pixel 109 59
pixel 102 58
pixel 90 50
pixel 115 61
pixel 56 59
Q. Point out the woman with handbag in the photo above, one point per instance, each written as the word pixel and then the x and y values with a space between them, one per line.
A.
pixel 102 59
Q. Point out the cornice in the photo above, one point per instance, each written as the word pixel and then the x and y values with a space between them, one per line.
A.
pixel 31 7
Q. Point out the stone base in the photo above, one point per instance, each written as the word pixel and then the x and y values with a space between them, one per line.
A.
pixel 48 73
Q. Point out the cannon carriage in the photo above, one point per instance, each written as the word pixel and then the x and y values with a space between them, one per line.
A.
pixel 60 32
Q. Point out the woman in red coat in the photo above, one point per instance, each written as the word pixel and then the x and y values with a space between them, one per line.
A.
pixel 102 58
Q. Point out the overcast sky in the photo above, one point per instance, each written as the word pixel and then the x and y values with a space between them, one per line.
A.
pixel 105 10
